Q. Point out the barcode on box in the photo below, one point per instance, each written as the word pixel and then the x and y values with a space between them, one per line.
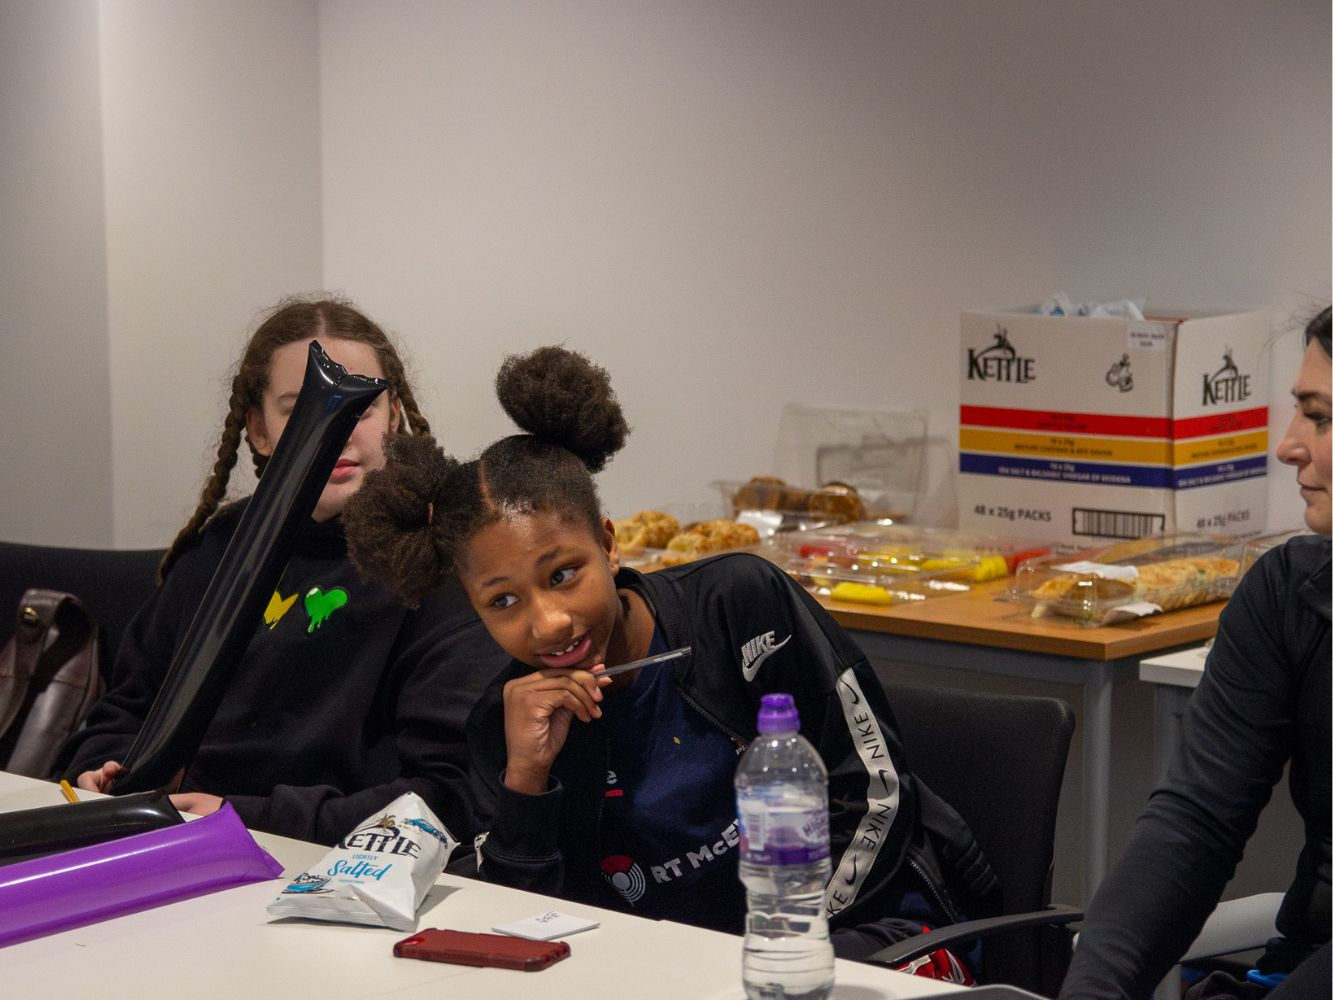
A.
pixel 1117 523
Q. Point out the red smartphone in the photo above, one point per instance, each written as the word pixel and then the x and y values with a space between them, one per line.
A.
pixel 498 950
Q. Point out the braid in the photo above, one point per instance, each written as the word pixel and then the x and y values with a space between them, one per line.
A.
pixel 292 320
pixel 215 488
pixel 417 424
pixel 396 376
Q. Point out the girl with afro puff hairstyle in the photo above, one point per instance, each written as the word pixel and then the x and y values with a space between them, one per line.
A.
pixel 618 791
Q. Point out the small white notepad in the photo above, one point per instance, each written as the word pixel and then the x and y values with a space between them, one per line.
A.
pixel 546 926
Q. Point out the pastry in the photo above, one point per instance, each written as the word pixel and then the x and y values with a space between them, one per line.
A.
pixel 1083 589
pixel 1170 584
pixel 761 493
pixel 1179 583
pixel 706 537
pixel 648 529
pixel 838 500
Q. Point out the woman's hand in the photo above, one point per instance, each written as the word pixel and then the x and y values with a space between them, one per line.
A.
pixel 99 779
pixel 539 708
pixel 197 802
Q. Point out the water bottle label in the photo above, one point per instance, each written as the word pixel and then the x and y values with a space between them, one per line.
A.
pixel 782 837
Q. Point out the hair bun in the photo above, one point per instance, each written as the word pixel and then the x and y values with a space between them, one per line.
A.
pixel 390 533
pixel 560 397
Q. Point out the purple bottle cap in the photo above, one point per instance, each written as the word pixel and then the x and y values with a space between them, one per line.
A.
pixel 777 714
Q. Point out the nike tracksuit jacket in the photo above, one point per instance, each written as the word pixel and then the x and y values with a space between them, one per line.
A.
pixel 898 851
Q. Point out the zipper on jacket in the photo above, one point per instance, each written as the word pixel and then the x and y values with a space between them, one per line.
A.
pixel 946 907
pixel 739 741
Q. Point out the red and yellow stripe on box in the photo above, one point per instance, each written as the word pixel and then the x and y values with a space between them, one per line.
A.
pixel 1095 439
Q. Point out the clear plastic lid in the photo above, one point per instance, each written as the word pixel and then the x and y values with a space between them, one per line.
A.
pixel 864 564
pixel 1256 547
pixel 772 505
pixel 914 545
pixel 1169 571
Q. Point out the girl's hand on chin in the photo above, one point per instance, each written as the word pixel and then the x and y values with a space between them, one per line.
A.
pixel 539 708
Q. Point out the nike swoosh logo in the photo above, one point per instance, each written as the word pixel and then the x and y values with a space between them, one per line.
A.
pixel 851 879
pixel 884 781
pixel 749 672
pixel 856 698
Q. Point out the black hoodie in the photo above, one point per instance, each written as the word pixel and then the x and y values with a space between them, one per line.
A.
pixel 343 701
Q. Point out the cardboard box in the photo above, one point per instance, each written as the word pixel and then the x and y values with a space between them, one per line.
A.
pixel 1078 429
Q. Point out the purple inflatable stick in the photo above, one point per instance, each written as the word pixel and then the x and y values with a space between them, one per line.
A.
pixel 90 884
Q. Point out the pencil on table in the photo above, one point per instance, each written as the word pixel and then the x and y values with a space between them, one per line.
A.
pixel 69 794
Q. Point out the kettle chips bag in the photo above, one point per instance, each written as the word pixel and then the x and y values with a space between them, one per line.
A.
pixel 378 874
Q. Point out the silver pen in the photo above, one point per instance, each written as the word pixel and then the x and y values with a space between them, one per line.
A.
pixel 647 661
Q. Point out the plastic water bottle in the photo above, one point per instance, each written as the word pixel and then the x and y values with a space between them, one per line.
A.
pixel 782 805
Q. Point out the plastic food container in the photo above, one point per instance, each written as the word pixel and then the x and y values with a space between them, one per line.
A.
pixel 676 543
pixel 996 557
pixel 876 583
pixel 1130 578
pixel 644 560
pixel 1256 547
pixel 868 563
pixel 772 505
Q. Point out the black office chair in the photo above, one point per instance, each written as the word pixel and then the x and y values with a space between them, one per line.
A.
pixel 999 760
pixel 111 583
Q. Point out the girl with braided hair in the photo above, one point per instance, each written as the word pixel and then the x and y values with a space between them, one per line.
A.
pixel 618 791
pixel 344 699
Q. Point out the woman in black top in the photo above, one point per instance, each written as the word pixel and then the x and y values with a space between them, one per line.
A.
pixel 1264 701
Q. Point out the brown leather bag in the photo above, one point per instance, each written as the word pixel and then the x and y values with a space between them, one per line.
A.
pixel 49 679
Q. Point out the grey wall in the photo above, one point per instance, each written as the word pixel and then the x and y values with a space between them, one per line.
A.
pixel 731 205
pixel 159 185
pixel 55 387
pixel 211 120
pixel 734 205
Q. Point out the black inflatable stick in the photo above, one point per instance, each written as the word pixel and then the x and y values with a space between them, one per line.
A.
pixel 326 411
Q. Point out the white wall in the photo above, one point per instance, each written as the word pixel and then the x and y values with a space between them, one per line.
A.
pixel 211 117
pixel 55 400
pixel 731 205
pixel 739 204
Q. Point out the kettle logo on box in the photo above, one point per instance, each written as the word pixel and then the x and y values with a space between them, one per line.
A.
pixel 999 362
pixel 1227 384
pixel 1118 376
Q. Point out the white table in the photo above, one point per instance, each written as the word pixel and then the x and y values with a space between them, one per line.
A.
pixel 223 945
pixel 1174 677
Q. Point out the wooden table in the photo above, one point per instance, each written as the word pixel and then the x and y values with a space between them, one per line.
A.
pixel 980 630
